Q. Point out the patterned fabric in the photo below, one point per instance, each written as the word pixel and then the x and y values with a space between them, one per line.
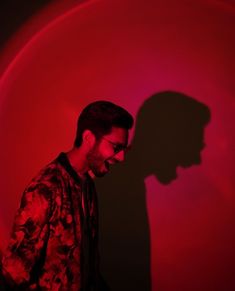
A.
pixel 53 245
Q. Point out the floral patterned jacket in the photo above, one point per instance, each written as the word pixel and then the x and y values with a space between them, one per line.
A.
pixel 53 245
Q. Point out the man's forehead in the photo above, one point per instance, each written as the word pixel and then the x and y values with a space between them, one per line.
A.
pixel 120 134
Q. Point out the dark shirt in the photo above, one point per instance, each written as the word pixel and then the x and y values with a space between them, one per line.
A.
pixel 53 245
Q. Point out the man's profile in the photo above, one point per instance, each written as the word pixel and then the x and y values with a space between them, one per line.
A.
pixel 54 241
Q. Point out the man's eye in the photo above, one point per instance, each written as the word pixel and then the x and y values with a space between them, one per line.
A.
pixel 117 148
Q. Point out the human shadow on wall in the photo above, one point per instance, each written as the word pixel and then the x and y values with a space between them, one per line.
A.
pixel 169 133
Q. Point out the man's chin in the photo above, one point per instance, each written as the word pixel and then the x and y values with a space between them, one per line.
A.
pixel 101 170
pixel 99 174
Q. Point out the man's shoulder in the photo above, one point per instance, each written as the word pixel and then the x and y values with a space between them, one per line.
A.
pixel 50 176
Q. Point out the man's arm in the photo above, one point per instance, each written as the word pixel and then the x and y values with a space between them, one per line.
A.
pixel 29 235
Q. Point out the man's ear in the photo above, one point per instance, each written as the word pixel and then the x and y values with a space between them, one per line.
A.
pixel 88 138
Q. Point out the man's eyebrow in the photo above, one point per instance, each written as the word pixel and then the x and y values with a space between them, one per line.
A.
pixel 118 143
pixel 123 145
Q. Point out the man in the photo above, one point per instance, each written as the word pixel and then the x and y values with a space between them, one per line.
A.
pixel 54 240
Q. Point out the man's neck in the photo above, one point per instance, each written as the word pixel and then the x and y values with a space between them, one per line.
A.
pixel 77 159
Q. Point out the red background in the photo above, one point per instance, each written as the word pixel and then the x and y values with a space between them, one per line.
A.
pixel 123 51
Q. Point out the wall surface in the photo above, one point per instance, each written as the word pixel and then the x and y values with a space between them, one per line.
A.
pixel 167 215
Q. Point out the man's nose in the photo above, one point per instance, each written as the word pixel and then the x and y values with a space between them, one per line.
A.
pixel 120 156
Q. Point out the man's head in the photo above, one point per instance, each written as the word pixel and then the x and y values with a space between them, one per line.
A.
pixel 102 128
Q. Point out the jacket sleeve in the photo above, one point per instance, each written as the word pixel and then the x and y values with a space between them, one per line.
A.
pixel 29 234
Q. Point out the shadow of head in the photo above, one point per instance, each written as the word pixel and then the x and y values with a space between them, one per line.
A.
pixel 169 133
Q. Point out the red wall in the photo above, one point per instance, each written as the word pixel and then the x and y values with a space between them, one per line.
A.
pixel 125 51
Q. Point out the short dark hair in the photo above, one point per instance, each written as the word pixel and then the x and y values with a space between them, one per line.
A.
pixel 99 117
